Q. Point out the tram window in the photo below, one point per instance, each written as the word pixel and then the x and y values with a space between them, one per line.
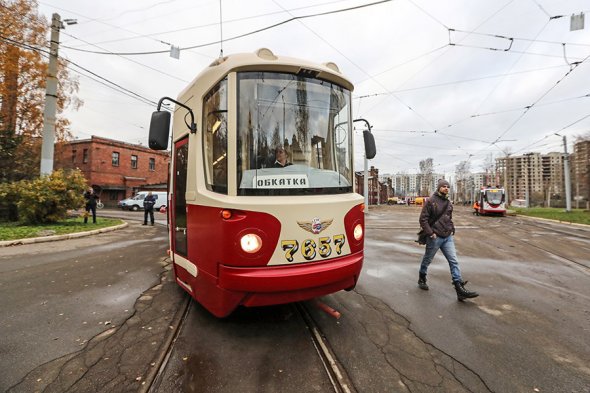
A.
pixel 494 196
pixel 309 118
pixel 215 138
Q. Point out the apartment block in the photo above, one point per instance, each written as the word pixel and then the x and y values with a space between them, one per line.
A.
pixel 538 178
pixel 580 163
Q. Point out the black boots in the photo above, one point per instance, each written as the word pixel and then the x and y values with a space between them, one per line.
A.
pixel 463 293
pixel 422 282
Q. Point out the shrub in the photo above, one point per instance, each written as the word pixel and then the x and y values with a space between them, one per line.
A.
pixel 8 200
pixel 48 198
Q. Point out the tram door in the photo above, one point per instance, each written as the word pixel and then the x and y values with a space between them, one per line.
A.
pixel 179 245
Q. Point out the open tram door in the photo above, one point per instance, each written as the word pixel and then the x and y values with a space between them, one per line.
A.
pixel 177 209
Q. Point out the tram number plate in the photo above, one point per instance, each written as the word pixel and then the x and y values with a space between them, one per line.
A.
pixel 310 248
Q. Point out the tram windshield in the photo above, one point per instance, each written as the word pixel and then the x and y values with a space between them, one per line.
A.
pixel 294 135
pixel 494 196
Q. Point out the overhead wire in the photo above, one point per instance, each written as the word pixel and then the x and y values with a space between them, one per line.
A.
pixel 207 24
pixel 108 83
pixel 352 62
pixel 526 109
pixel 240 35
pixel 444 52
pixel 131 60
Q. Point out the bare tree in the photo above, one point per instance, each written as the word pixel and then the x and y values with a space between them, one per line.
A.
pixel 462 174
pixel 489 168
pixel 426 181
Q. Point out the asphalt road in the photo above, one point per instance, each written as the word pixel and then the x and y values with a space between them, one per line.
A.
pixel 58 296
pixel 527 332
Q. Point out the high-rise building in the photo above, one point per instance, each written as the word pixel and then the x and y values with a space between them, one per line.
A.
pixel 580 163
pixel 535 177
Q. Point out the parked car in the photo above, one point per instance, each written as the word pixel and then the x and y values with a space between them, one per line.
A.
pixel 135 203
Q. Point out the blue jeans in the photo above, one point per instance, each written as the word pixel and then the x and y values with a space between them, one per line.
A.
pixel 447 245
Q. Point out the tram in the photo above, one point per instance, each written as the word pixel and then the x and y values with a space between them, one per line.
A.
pixel 248 228
pixel 491 201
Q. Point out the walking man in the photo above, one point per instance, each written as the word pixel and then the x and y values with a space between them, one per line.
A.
pixel 436 220
pixel 148 208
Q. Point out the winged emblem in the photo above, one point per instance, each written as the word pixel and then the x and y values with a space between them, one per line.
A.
pixel 316 225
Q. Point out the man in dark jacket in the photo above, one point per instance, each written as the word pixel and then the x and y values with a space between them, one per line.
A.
pixel 436 220
pixel 91 200
pixel 148 206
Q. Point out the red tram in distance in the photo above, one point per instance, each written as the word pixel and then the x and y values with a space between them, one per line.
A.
pixel 246 228
pixel 491 201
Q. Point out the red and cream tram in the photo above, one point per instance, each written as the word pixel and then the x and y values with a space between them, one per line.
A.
pixel 245 230
pixel 491 201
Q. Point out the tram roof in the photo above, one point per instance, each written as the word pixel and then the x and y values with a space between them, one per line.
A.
pixel 265 60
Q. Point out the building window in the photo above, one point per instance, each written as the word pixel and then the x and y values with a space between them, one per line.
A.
pixel 115 158
pixel 85 156
pixel 152 164
pixel 133 162
pixel 73 156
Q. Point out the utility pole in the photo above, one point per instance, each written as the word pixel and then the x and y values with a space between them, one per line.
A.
pixel 506 179
pixel 566 175
pixel 50 99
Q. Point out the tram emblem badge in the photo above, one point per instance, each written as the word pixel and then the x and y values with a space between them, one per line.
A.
pixel 316 225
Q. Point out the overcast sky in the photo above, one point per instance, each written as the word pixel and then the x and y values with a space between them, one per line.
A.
pixel 453 80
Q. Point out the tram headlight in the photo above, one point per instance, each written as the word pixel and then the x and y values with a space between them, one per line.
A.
pixel 251 243
pixel 358 232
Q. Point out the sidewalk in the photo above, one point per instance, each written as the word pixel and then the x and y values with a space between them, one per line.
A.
pixel 160 219
pixel 51 238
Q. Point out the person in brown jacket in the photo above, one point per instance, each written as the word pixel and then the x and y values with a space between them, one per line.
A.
pixel 436 220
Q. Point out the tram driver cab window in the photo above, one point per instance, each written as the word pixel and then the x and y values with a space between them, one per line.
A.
pixel 215 138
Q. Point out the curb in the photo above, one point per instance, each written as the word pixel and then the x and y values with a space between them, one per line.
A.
pixel 555 221
pixel 31 240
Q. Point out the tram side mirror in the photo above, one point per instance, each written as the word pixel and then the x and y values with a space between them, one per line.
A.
pixel 370 148
pixel 159 130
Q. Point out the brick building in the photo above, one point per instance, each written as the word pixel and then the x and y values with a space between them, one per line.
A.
pixel 116 170
pixel 375 187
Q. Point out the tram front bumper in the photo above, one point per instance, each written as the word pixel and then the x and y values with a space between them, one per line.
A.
pixel 343 271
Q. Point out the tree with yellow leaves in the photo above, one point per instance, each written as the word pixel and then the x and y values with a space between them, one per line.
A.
pixel 24 57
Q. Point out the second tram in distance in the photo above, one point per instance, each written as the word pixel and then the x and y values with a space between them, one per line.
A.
pixel 491 201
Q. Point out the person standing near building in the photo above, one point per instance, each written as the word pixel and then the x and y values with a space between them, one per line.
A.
pixel 91 199
pixel 148 208
pixel 436 220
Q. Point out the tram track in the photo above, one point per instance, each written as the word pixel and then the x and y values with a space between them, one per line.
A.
pixel 153 381
pixel 337 375
pixel 519 226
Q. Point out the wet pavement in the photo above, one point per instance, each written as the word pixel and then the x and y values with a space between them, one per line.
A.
pixel 87 314
pixel 527 332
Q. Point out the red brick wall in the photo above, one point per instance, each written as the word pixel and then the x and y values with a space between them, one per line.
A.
pixel 99 171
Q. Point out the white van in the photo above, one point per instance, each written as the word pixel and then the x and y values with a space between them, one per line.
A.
pixel 136 203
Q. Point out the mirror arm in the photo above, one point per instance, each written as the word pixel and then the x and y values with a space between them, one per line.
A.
pixel 366 123
pixel 192 126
